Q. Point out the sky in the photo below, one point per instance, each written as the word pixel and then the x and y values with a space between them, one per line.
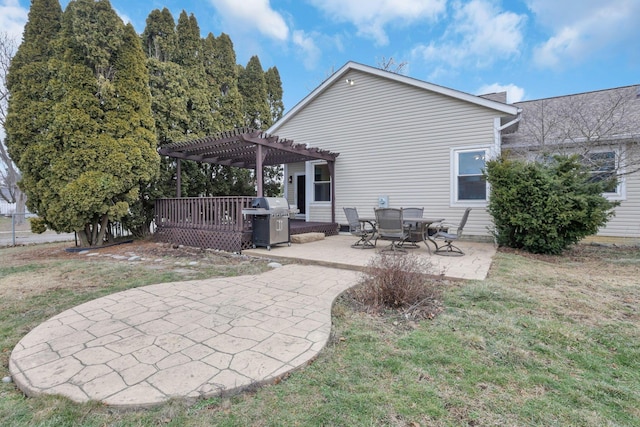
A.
pixel 530 48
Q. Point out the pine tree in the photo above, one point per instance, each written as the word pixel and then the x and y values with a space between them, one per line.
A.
pixel 225 73
pixel 201 118
pixel 274 94
pixel 28 77
pixel 220 65
pixel 159 36
pixel 30 102
pixel 253 88
pixel 99 148
pixel 256 108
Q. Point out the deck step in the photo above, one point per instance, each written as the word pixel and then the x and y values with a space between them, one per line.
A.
pixel 306 237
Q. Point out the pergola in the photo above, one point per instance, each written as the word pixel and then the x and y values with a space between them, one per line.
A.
pixel 250 149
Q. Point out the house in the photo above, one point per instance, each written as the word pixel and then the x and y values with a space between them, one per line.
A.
pixel 368 138
pixel 6 208
pixel 402 142
pixel 604 128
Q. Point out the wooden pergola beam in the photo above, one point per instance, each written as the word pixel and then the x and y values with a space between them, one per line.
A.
pixel 249 149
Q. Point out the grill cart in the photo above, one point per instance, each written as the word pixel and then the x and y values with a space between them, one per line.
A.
pixel 270 221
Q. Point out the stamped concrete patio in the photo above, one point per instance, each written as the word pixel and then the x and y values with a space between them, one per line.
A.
pixel 336 251
pixel 144 346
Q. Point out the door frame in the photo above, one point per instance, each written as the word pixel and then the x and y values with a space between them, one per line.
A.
pixel 303 210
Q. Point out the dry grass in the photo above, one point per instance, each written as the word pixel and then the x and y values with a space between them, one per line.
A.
pixel 588 284
pixel 542 341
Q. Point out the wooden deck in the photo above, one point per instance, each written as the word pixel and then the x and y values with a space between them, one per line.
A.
pixel 217 223
pixel 299 226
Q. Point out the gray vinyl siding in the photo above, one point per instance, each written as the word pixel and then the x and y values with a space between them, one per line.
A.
pixel 394 139
pixel 626 222
pixel 292 170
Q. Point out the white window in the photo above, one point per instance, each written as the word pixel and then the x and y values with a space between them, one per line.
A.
pixel 604 166
pixel 468 182
pixel 321 183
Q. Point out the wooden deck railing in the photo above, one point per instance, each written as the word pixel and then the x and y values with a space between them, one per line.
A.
pixel 204 213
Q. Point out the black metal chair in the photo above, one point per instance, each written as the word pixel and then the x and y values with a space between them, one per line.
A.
pixel 412 227
pixel 442 233
pixel 365 230
pixel 390 226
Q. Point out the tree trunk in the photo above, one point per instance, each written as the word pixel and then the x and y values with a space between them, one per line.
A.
pixel 104 222
pixel 21 201
pixel 83 237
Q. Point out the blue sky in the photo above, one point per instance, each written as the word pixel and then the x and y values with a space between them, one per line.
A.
pixel 531 48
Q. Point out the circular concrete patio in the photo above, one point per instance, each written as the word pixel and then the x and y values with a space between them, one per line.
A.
pixel 193 339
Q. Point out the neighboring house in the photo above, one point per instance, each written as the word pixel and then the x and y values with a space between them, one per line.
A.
pixel 6 208
pixel 403 142
pixel 601 126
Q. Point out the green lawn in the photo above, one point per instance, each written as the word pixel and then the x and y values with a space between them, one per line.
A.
pixel 544 341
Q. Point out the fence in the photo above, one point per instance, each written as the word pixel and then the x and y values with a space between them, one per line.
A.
pixel 15 229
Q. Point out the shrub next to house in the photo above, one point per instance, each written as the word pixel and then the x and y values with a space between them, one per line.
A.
pixel 545 207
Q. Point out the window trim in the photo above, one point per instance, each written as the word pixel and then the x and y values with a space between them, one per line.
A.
pixel 621 189
pixel 454 158
pixel 314 182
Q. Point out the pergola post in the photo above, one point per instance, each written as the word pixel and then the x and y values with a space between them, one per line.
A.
pixel 332 168
pixel 259 171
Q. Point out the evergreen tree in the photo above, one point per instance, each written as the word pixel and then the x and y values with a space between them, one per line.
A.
pixel 220 66
pixel 30 102
pixel 201 114
pixel 545 207
pixel 274 94
pixel 189 42
pixel 225 73
pixel 252 83
pixel 28 77
pixel 253 89
pixel 159 36
pixel 99 148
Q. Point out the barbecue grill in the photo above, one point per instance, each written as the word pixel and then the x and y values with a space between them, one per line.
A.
pixel 270 221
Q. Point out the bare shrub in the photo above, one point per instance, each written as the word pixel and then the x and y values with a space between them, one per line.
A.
pixel 399 282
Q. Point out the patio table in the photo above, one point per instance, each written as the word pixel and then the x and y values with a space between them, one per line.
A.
pixel 424 224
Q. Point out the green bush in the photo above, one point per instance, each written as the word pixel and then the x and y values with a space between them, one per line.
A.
pixel 38 225
pixel 545 207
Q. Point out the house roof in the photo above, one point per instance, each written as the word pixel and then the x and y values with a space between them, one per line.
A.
pixel 349 66
pixel 242 147
pixel 608 115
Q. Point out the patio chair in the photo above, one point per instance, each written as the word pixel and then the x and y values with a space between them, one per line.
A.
pixel 365 230
pixel 413 228
pixel 389 226
pixel 442 233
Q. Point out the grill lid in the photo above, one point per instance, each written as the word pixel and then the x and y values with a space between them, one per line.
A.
pixel 271 203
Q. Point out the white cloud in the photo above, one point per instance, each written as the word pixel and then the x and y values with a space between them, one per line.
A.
pixel 371 17
pixel 12 18
pixel 256 13
pixel 307 47
pixel 584 28
pixel 479 33
pixel 514 93
pixel 125 18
